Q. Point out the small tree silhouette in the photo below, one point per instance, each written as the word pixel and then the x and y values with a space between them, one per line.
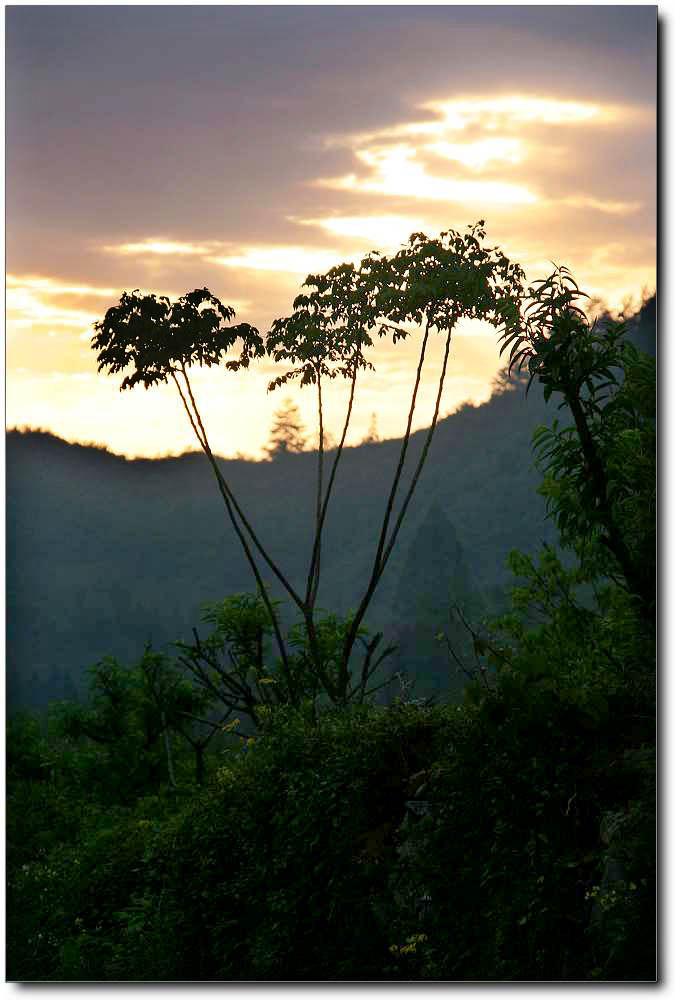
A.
pixel 288 433
pixel 372 437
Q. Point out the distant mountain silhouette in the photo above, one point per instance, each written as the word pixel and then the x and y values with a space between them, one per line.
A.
pixel 105 553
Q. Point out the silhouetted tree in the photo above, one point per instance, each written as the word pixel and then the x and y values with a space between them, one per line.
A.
pixel 287 435
pixel 372 436
pixel 430 285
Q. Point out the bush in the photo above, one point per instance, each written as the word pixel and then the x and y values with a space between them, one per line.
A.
pixel 405 843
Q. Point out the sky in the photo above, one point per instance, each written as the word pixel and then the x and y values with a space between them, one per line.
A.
pixel 242 148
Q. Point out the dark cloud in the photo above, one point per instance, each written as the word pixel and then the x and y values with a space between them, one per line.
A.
pixel 209 116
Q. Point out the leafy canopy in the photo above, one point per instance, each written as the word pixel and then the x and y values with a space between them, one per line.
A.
pixel 158 337
pixel 327 331
pixel 439 280
pixel 443 280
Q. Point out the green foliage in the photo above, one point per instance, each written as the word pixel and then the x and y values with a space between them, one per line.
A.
pixel 560 726
pixel 39 814
pixel 272 874
pixel 575 659
pixel 235 664
pixel 510 846
pixel 596 469
pixel 26 756
pixel 448 843
pixel 118 732
pixel 119 743
pixel 330 683
pixel 624 432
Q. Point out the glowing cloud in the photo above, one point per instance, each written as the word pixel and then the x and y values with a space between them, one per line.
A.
pixel 415 159
pixel 30 305
pixel 51 287
pixel 154 245
pixel 27 309
pixel 518 109
pixel 490 113
pixel 477 155
pixel 600 205
pixel 383 230
pixel 294 260
pixel 396 171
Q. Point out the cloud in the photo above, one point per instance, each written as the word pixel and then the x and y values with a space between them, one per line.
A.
pixel 31 306
pixel 477 155
pixel 154 245
pixel 52 287
pixel 28 309
pixel 484 150
pixel 489 113
pixel 291 259
pixel 601 205
pixel 398 171
pixel 381 230
pixel 520 109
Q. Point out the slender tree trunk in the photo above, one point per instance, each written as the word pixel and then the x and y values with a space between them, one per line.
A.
pixel 315 565
pixel 225 493
pixel 384 553
pixel 313 574
pixel 404 448
pixel 233 500
pixel 350 638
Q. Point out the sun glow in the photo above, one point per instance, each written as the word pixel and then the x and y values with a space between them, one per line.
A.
pixel 477 155
pixel 602 205
pixel 489 113
pixel 381 230
pixel 26 310
pixel 482 151
pixel 161 247
pixel 397 171
pixel 293 259
pixel 518 109
pixel 51 287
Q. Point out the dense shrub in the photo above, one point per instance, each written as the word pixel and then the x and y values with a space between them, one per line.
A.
pixel 269 875
pixel 403 843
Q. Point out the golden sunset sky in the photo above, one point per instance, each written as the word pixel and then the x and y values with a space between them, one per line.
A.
pixel 241 148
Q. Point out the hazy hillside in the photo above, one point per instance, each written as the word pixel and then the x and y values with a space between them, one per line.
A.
pixel 105 553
